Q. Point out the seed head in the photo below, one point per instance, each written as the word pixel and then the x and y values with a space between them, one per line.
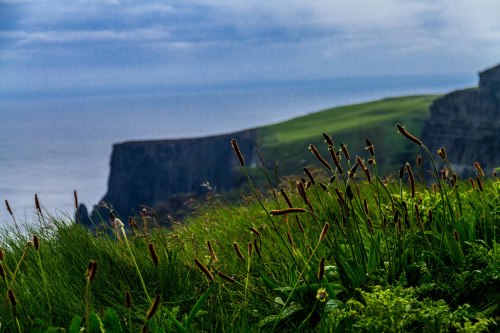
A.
pixel 343 147
pixel 37 204
pixel 153 307
pixel 8 207
pixel 363 167
pixel 370 147
pixel 287 211
pixel 348 192
pixel 36 242
pixel 255 231
pixel 419 161
pixel 411 179
pixel 370 225
pixel 154 254
pixel 205 270
pixel 442 153
pixel 417 214
pixel 407 135
pixel 91 271
pixel 310 176
pixel 128 299
pixel 75 196
pixel 237 151
pixel 12 297
pixel 132 224
pixel 340 196
pixel 352 172
pixel 328 139
pixel 479 183
pixel 453 179
pixel 226 277
pixel 320 158
pixel 455 235
pixel 211 252
pixel 256 246
pixel 479 170
pixel 402 171
pixel 336 159
pixel 324 231
pixel 238 251
pixel 303 195
pixel 321 269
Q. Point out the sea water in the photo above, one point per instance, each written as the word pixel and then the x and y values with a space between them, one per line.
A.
pixel 53 145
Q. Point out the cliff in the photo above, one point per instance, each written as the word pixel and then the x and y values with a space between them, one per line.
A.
pixel 164 174
pixel 467 124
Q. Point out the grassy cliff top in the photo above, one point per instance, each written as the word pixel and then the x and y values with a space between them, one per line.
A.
pixel 375 120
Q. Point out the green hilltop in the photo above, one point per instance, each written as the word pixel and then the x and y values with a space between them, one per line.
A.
pixel 352 124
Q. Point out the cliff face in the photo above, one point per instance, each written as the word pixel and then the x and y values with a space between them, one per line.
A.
pixel 163 174
pixel 467 124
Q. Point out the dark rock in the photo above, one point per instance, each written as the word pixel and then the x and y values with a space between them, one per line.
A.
pixel 467 124
pixel 165 174
pixel 82 216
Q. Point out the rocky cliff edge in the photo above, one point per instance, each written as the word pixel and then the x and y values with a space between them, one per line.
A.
pixel 165 173
pixel 467 124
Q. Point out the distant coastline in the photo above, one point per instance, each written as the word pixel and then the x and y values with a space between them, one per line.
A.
pixel 55 145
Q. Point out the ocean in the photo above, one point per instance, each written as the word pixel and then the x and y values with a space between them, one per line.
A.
pixel 52 145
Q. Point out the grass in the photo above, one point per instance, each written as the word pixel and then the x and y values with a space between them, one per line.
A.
pixel 357 117
pixel 286 141
pixel 326 252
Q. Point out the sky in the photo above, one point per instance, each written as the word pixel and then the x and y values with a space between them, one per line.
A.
pixel 74 48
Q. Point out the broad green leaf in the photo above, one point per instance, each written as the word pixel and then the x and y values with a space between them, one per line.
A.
pixel 76 324
pixel 95 325
pixel 111 321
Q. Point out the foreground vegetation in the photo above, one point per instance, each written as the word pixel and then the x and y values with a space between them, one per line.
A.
pixel 339 249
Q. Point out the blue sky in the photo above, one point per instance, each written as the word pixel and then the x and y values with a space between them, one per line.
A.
pixel 87 47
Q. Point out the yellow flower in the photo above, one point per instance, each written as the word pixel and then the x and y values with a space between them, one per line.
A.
pixel 322 295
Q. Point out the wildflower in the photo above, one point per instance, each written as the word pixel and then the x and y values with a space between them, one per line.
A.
pixel 322 295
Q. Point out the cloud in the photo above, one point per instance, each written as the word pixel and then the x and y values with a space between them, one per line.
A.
pixel 75 36
pixel 135 42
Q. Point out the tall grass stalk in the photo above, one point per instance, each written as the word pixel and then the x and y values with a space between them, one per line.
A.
pixel 36 246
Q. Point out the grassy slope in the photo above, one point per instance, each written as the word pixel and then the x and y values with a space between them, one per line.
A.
pixel 449 260
pixel 374 120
